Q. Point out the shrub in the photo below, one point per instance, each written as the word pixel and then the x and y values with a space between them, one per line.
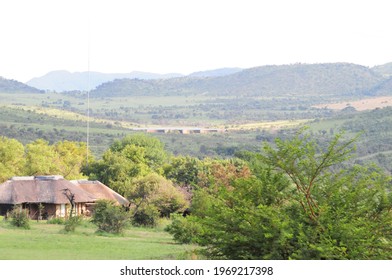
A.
pixel 184 230
pixel 110 217
pixel 155 197
pixel 72 223
pixel 20 217
pixel 146 215
pixel 169 199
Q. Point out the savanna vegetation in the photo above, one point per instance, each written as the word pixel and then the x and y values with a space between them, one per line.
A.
pixel 303 194
pixel 295 199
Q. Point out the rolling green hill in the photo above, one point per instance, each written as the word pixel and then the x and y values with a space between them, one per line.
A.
pixel 311 80
pixel 375 134
pixel 12 86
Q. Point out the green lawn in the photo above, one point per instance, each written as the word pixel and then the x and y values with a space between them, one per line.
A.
pixel 47 242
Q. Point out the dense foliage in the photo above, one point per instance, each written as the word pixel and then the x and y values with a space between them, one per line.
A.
pixel 109 217
pixel 40 158
pixel 299 203
pixel 299 198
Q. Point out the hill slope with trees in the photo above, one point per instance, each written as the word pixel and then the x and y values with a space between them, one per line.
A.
pixel 12 86
pixel 333 79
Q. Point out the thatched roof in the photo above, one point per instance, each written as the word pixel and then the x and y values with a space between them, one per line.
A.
pixel 41 189
pixel 100 191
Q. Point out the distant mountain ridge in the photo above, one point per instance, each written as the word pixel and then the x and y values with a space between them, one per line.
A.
pixel 332 79
pixel 329 79
pixel 216 72
pixel 62 80
pixel 12 86
pixel 66 81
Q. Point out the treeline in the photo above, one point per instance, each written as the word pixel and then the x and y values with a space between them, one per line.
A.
pixel 41 158
pixel 296 199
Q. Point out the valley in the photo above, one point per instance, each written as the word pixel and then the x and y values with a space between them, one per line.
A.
pixel 246 106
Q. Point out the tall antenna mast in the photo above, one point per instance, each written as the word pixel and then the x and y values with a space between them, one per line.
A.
pixel 88 95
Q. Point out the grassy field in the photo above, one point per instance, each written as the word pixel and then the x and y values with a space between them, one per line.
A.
pixel 48 242
pixel 360 105
pixel 273 125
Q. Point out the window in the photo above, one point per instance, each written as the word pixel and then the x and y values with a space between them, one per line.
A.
pixel 62 210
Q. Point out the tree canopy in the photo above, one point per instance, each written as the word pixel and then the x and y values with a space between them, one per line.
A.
pixel 64 158
pixel 300 202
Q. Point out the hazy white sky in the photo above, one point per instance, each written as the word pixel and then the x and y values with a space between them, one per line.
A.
pixel 184 36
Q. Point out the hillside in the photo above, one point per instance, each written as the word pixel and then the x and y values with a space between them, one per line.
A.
pixel 384 69
pixel 12 86
pixel 374 144
pixel 383 88
pixel 216 72
pixel 312 80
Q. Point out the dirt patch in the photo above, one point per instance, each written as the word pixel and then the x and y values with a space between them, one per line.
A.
pixel 360 105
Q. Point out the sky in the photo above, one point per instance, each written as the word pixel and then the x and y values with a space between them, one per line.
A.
pixel 184 36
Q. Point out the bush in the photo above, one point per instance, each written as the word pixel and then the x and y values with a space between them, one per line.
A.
pixel 110 217
pixel 146 215
pixel 72 223
pixel 20 217
pixel 184 230
pixel 155 197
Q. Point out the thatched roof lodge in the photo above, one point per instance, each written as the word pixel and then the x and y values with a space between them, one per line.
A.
pixel 49 192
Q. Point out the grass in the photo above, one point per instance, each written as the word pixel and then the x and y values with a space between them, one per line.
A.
pixel 269 125
pixel 49 242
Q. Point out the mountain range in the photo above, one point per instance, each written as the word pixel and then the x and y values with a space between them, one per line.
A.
pixel 327 79
pixel 330 79
pixel 66 81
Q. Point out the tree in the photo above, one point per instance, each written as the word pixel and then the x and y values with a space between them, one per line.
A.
pixel 183 170
pixel 72 157
pixel 221 172
pixel 246 221
pixel 301 202
pixel 126 160
pixel 154 154
pixel 65 158
pixel 11 158
pixel 307 164
pixel 41 158
pixel 118 170
pixel 155 196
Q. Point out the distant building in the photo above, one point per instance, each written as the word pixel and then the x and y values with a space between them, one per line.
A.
pixel 181 130
pixel 46 196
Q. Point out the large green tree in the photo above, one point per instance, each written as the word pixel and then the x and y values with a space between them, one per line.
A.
pixel 65 158
pixel 301 202
pixel 155 196
pixel 41 158
pixel 128 159
pixel 72 158
pixel 11 158
pixel 154 154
